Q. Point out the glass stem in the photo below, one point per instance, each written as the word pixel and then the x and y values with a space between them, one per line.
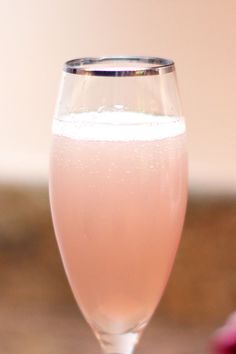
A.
pixel 118 343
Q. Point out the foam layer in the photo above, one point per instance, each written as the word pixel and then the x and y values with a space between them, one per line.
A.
pixel 117 126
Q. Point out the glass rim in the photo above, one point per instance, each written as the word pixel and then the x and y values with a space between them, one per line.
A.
pixel 146 66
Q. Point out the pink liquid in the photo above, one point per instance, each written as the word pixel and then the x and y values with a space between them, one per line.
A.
pixel 118 196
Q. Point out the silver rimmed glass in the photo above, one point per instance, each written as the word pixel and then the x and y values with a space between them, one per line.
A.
pixel 118 189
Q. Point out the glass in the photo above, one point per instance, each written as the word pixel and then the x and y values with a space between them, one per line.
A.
pixel 118 189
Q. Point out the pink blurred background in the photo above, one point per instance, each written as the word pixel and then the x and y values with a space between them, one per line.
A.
pixel 37 37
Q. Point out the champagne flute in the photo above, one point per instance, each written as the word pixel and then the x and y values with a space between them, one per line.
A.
pixel 118 189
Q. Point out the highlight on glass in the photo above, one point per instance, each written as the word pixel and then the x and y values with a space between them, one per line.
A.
pixel 118 189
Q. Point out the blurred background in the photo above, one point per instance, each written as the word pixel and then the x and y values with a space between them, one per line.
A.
pixel 37 311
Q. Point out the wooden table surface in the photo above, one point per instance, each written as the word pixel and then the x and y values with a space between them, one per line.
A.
pixel 34 331
pixel 38 314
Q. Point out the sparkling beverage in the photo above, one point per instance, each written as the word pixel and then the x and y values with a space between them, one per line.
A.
pixel 118 195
